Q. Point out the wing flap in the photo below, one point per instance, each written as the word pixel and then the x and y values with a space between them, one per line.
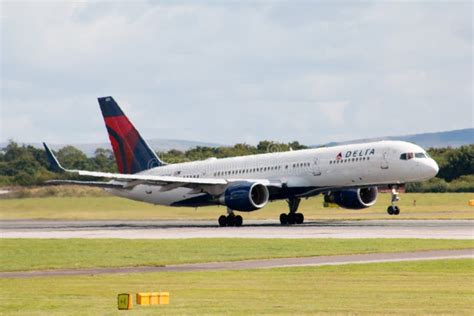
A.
pixel 98 184
pixel 149 178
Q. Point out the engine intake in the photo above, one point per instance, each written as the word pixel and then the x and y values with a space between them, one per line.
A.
pixel 245 196
pixel 353 198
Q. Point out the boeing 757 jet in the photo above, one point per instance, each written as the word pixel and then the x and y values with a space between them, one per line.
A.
pixel 346 175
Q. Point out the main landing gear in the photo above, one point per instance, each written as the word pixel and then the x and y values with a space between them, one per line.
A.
pixel 394 209
pixel 230 220
pixel 292 217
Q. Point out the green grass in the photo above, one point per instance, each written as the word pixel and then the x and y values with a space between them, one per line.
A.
pixel 415 288
pixel 428 206
pixel 37 254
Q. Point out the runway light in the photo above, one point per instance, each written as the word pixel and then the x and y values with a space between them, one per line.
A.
pixel 471 202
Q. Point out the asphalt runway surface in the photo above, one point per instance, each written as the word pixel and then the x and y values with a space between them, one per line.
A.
pixel 437 229
pixel 257 264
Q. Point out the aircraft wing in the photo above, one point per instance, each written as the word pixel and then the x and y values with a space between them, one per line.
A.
pixel 98 184
pixel 128 181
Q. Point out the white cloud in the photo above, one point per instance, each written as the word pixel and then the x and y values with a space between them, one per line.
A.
pixel 314 72
pixel 333 112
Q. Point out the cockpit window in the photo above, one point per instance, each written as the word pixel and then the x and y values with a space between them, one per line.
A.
pixel 406 156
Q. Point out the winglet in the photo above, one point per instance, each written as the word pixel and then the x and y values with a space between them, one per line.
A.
pixel 54 164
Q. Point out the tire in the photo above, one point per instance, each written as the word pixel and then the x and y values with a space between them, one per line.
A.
pixel 291 219
pixel 390 210
pixel 283 219
pixel 222 221
pixel 231 220
pixel 238 221
pixel 396 210
pixel 299 218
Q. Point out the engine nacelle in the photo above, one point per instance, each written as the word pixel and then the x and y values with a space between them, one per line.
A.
pixel 353 198
pixel 245 196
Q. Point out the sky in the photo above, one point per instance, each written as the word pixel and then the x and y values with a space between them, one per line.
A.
pixel 236 71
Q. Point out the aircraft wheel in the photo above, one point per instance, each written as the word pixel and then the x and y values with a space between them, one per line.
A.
pixel 291 218
pixel 390 210
pixel 283 219
pixel 396 210
pixel 238 221
pixel 223 221
pixel 299 218
pixel 231 220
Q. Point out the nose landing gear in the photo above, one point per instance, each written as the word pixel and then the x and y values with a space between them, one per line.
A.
pixel 292 217
pixel 394 209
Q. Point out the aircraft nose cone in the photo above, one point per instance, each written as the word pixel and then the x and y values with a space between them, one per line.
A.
pixel 434 168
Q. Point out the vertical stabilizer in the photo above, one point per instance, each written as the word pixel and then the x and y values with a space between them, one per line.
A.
pixel 132 153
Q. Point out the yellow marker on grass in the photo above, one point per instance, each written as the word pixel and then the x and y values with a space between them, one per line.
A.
pixel 125 301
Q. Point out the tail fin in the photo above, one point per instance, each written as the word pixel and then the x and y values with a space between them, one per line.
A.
pixel 132 153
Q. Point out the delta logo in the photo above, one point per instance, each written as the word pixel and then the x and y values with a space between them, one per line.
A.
pixel 356 153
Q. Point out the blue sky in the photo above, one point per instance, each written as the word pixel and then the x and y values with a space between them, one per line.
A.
pixel 228 72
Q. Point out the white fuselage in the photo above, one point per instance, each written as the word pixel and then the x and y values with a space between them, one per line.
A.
pixel 356 165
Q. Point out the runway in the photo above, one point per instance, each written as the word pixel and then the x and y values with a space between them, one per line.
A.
pixel 258 264
pixel 438 229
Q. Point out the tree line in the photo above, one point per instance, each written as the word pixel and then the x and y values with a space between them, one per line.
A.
pixel 22 165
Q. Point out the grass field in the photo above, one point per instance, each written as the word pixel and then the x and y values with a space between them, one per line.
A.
pixel 414 288
pixel 428 206
pixel 39 254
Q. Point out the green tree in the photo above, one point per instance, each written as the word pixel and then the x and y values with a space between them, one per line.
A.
pixel 104 160
pixel 72 158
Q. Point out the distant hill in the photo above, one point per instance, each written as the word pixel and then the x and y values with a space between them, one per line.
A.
pixel 454 138
pixel 156 144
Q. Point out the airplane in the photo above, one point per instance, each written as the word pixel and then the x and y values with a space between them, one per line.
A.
pixel 347 175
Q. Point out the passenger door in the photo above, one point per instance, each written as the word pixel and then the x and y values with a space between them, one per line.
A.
pixel 384 163
pixel 316 167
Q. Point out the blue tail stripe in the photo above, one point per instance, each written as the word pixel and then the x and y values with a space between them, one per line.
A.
pixel 109 107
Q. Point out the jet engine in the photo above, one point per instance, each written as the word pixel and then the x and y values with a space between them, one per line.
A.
pixel 353 198
pixel 245 196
